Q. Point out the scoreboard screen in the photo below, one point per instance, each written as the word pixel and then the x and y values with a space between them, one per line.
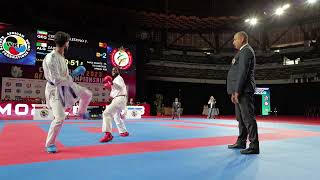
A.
pixel 22 50
pixel 26 46
pixel 95 55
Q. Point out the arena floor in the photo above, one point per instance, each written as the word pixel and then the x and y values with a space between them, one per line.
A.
pixel 160 148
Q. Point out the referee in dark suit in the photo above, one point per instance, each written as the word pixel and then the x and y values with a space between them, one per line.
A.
pixel 241 86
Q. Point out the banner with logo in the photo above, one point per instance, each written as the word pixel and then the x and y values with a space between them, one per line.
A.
pixel 20 88
pixel 17 46
pixel 21 47
pixel 266 105
pixel 27 110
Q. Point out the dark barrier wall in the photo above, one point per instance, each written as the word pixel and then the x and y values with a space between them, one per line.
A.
pixel 289 99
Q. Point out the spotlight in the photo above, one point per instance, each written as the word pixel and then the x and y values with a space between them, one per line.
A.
pixel 286 6
pixel 252 21
pixel 279 11
pixel 312 1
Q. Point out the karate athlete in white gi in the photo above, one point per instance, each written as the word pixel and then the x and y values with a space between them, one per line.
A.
pixel 61 92
pixel 117 106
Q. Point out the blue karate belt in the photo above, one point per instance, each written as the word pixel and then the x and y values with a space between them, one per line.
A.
pixel 63 88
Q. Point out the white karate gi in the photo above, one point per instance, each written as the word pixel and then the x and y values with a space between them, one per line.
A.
pixel 117 106
pixel 58 93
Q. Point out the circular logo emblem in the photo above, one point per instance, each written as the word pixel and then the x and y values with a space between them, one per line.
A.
pixel 134 113
pixel 14 45
pixel 266 103
pixel 44 113
pixel 121 58
pixel 233 60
